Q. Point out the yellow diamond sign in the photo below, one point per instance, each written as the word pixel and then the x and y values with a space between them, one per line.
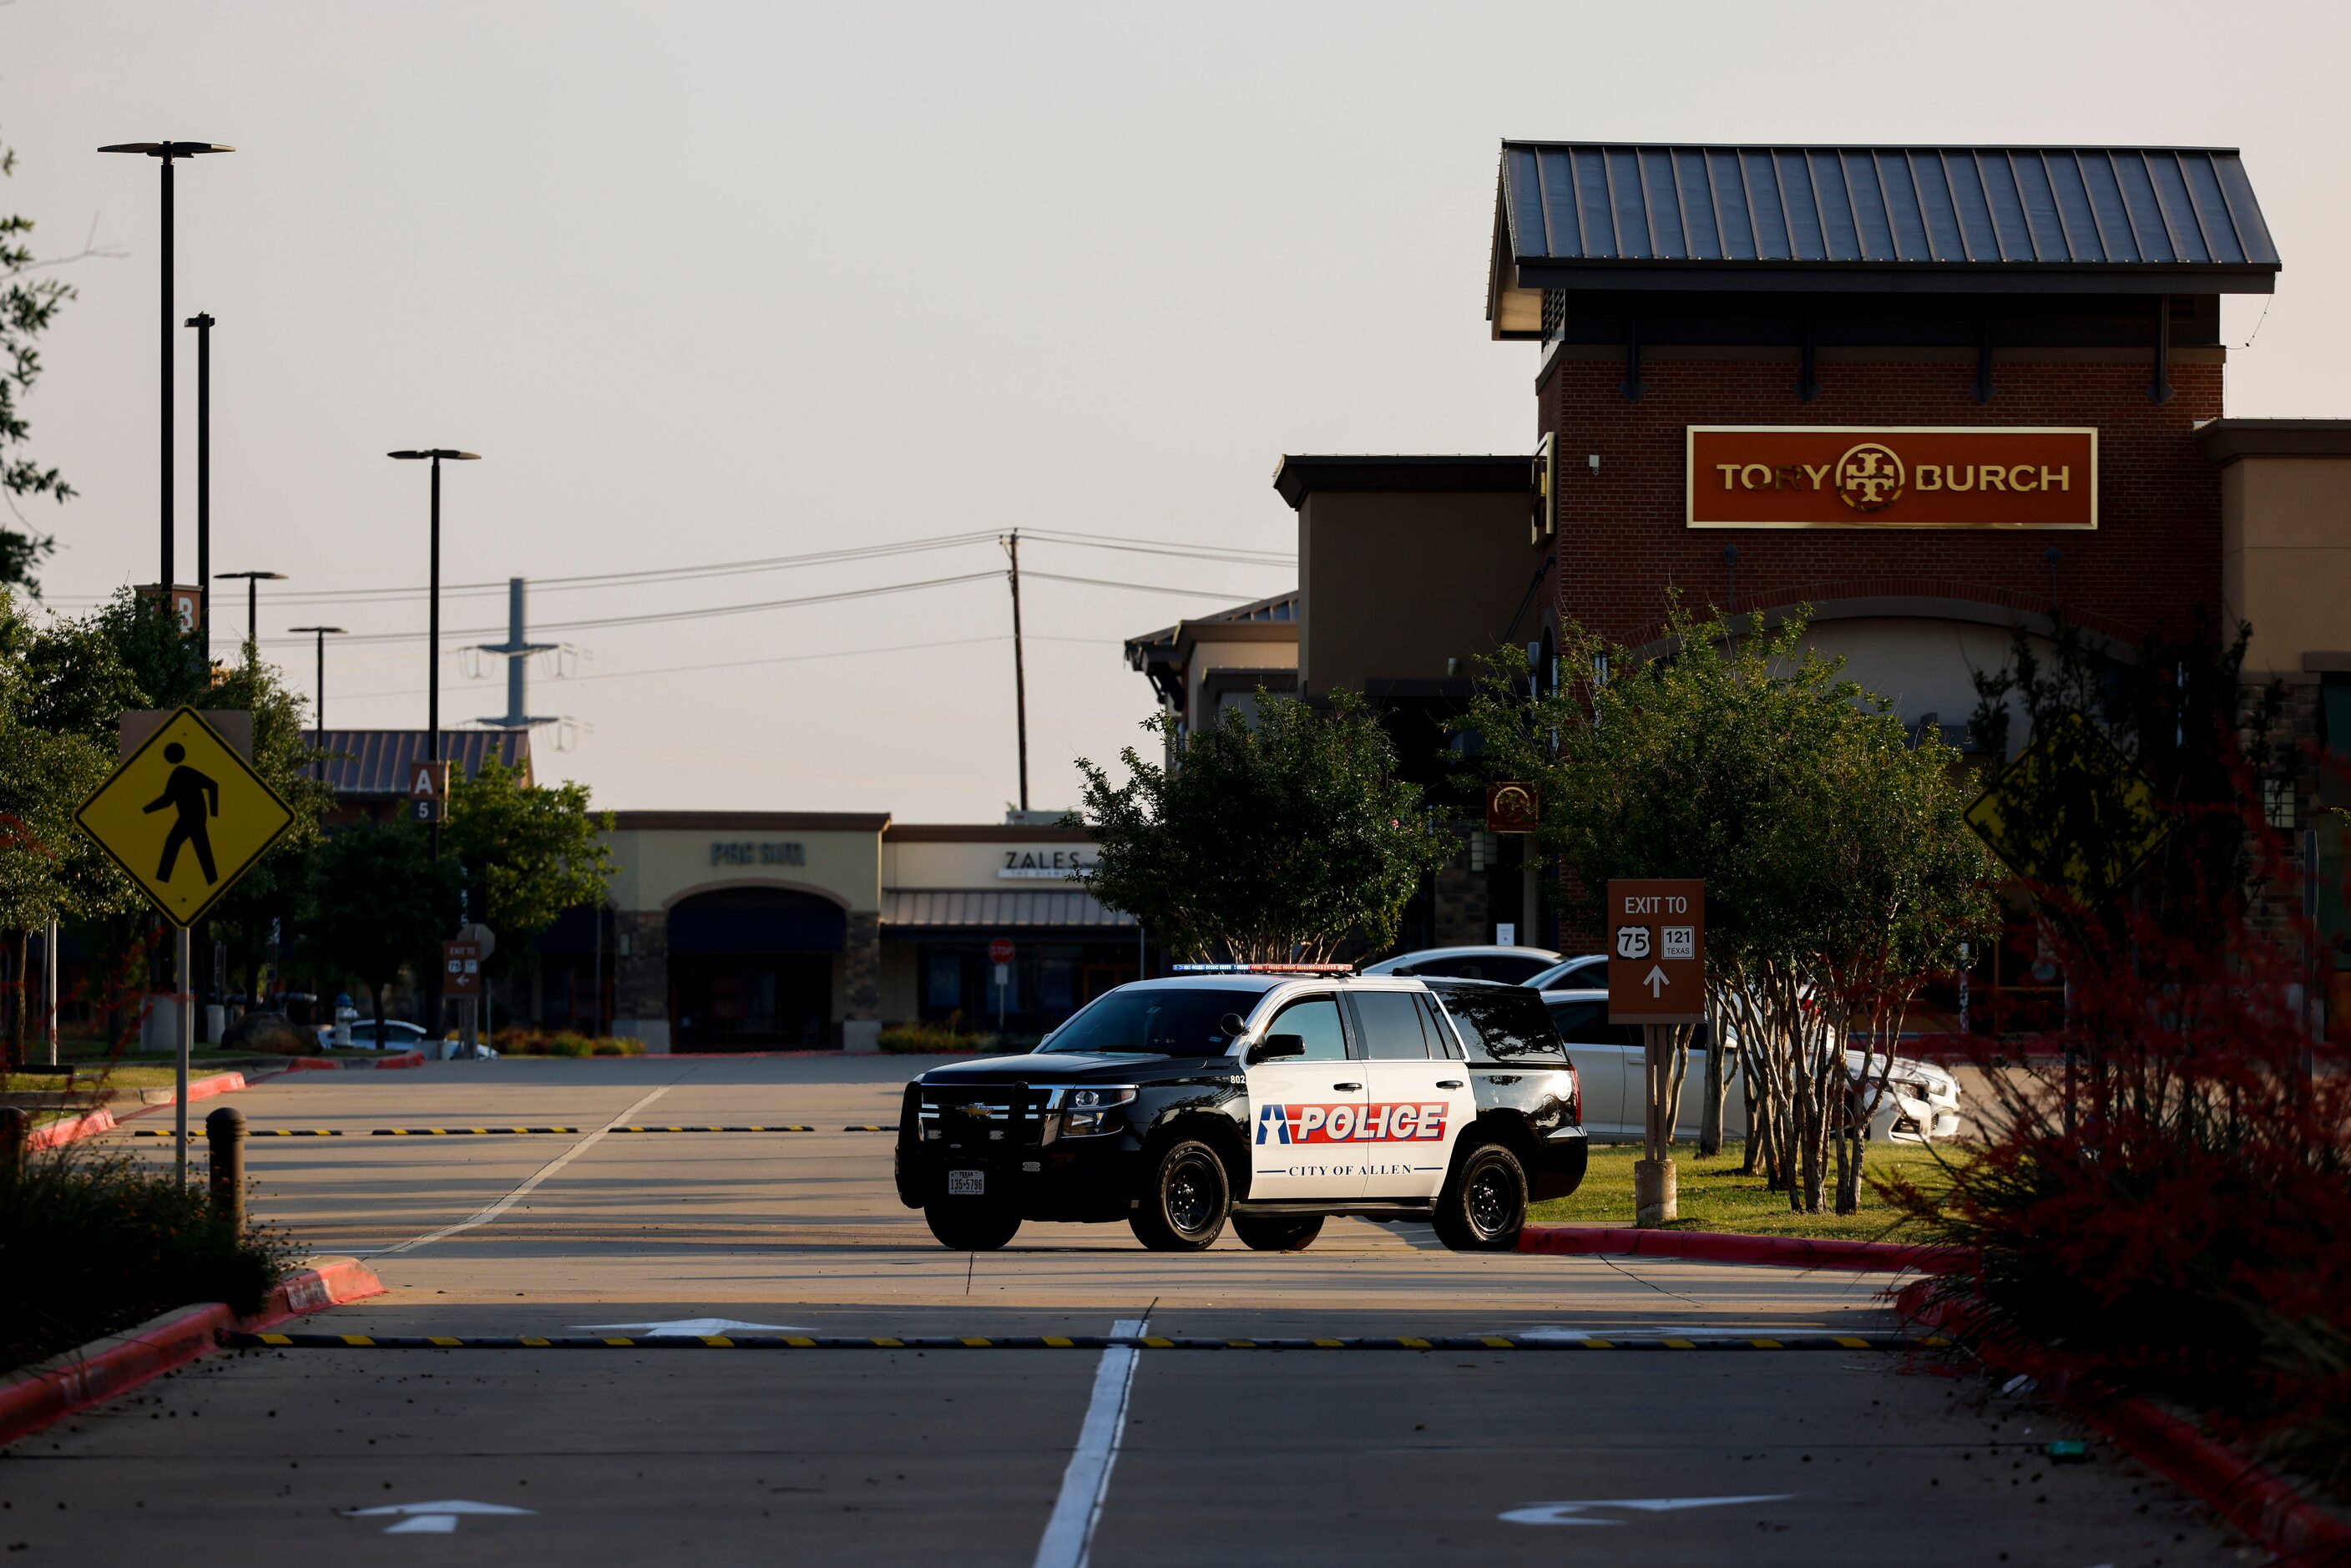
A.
pixel 2072 812
pixel 185 815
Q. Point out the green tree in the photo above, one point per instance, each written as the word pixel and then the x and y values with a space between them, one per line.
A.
pixel 529 852
pixel 1839 872
pixel 27 305
pixel 381 901
pixel 1272 839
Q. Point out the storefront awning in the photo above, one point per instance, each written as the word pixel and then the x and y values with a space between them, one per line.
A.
pixel 965 909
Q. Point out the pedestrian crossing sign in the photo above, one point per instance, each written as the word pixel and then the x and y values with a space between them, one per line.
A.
pixel 185 815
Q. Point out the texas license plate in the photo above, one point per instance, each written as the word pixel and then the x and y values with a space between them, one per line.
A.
pixel 966 1184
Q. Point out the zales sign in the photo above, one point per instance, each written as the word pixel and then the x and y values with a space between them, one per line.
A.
pixel 1898 476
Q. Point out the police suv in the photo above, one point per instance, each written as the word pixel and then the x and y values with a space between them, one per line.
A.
pixel 1272 1097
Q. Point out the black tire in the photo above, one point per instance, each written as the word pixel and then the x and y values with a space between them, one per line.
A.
pixel 1277 1232
pixel 1484 1204
pixel 970 1225
pixel 1186 1200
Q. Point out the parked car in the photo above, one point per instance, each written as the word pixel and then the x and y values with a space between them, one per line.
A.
pixel 1922 1102
pixel 1585 970
pixel 398 1035
pixel 1510 965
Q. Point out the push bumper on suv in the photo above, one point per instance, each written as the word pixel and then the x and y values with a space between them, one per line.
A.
pixel 1013 1135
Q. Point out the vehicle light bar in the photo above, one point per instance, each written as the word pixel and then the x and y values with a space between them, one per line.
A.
pixel 1262 969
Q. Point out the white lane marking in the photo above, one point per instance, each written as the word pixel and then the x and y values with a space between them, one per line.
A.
pixel 430 1518
pixel 1070 1533
pixel 1572 1512
pixel 699 1327
pixel 545 1171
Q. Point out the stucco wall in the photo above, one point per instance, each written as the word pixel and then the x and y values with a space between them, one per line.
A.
pixel 657 867
pixel 2286 557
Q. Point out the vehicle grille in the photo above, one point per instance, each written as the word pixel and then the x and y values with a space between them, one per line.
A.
pixel 1000 1116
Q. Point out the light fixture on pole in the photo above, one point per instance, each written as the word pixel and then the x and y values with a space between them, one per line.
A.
pixel 253 581
pixel 164 153
pixel 319 702
pixel 433 667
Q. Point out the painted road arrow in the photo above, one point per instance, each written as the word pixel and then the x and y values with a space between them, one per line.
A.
pixel 431 1518
pixel 1572 1512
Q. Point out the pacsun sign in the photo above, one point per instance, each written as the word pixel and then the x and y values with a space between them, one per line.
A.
pixel 1902 477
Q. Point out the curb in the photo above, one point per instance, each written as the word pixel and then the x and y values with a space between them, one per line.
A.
pixel 2247 1494
pixel 405 1059
pixel 307 1064
pixel 105 1368
pixel 102 1119
pixel 1721 1247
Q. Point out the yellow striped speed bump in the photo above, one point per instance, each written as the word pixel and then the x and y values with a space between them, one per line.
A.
pixel 1549 1341
pixel 249 1131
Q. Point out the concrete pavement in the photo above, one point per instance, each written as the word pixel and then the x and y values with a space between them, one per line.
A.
pixel 640 1456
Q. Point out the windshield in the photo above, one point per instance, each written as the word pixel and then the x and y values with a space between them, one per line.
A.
pixel 1138 1020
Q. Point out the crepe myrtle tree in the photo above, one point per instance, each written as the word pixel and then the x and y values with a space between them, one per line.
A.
pixel 1275 837
pixel 1839 873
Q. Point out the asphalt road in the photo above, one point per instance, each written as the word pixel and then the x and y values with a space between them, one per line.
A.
pixel 999 1456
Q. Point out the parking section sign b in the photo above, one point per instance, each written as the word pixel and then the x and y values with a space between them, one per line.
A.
pixel 1657 951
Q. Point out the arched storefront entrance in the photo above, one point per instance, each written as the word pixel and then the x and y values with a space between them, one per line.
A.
pixel 752 968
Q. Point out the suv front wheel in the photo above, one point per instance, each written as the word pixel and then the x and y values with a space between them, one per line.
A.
pixel 1186 1200
pixel 1484 1204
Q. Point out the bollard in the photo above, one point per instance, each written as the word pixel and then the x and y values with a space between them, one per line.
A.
pixel 224 1131
pixel 16 1126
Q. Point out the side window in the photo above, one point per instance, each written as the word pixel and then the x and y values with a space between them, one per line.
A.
pixel 1315 1019
pixel 1392 1027
pixel 1504 1023
pixel 1575 1022
pixel 1441 1040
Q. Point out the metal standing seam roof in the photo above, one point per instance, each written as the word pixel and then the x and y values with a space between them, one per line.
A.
pixel 376 761
pixel 1009 909
pixel 1594 204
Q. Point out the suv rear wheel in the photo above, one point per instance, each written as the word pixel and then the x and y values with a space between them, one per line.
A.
pixel 1484 1204
pixel 1185 1201
pixel 969 1224
pixel 1277 1233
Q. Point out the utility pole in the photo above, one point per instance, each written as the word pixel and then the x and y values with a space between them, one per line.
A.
pixel 203 323
pixel 1019 670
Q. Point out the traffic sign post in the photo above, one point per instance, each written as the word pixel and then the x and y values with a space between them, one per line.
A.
pixel 1656 977
pixel 999 953
pixel 184 816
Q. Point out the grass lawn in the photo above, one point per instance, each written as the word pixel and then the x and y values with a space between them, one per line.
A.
pixel 1713 1196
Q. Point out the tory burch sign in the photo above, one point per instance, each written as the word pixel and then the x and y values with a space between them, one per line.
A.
pixel 1897 477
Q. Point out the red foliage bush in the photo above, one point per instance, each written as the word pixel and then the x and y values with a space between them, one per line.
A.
pixel 2171 1206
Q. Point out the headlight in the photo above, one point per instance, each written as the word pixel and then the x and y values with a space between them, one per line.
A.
pixel 1091 1112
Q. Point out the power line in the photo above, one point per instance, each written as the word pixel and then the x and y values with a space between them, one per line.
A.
pixel 1147 587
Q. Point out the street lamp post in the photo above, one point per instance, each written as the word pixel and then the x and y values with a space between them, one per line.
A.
pixel 164 152
pixel 318 704
pixel 253 581
pixel 432 670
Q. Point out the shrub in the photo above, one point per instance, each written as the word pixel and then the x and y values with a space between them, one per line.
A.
pixel 2172 1212
pixel 563 1043
pixel 935 1040
pixel 90 1245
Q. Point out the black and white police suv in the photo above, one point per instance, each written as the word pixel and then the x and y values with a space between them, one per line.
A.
pixel 1272 1097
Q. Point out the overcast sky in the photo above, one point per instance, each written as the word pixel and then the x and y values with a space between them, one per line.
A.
pixel 706 283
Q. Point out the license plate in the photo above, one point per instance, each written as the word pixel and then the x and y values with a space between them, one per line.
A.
pixel 966 1184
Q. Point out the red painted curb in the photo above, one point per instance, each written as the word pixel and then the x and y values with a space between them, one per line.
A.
pixel 310 1064
pixel 405 1059
pixel 73 1129
pixel 1717 1246
pixel 99 1371
pixel 2242 1491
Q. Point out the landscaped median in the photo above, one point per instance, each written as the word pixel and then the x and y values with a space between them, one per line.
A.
pixel 38 1394
pixel 89 1123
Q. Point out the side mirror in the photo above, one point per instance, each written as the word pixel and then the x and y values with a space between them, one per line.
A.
pixel 1274 1045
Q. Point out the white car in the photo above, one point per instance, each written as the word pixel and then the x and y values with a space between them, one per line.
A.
pixel 398 1035
pixel 1921 1102
pixel 1510 965
pixel 1584 970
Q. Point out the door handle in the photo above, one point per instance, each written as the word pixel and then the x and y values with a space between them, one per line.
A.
pixel 1449 1084
pixel 1346 1086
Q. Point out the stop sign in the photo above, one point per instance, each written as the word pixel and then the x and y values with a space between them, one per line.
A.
pixel 1000 950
